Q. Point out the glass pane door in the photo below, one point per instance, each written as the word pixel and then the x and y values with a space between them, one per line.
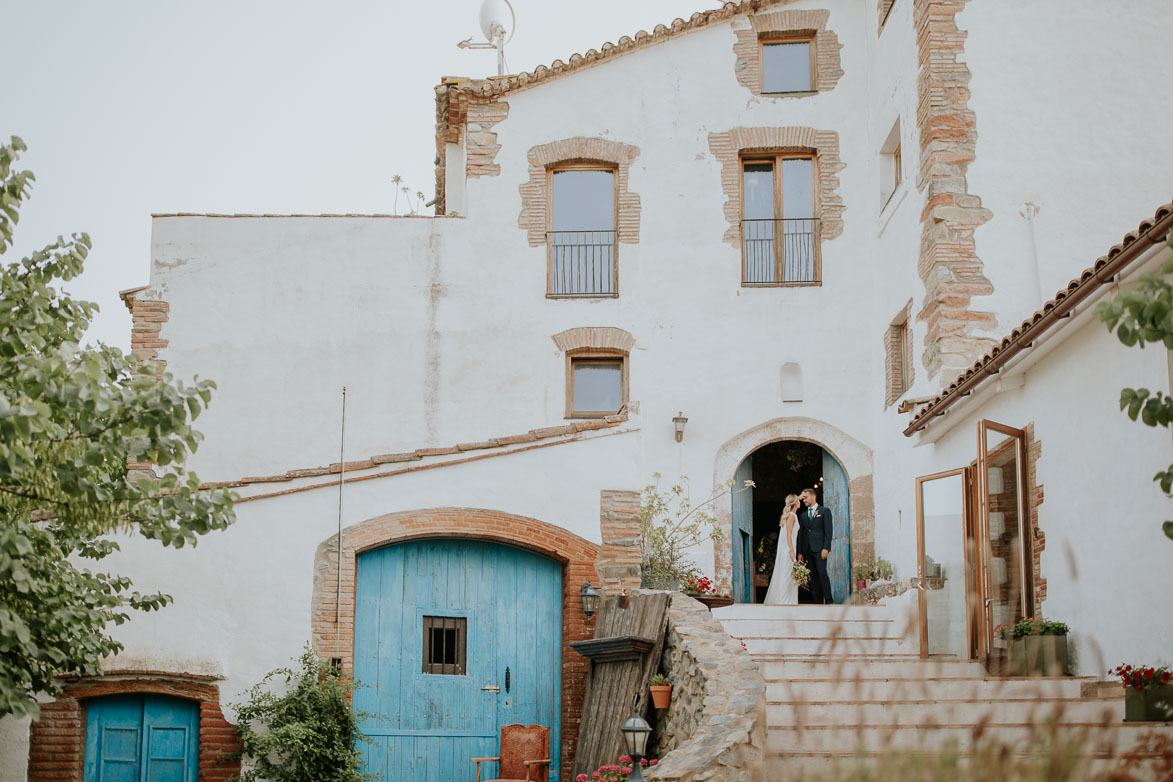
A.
pixel 1006 561
pixel 942 545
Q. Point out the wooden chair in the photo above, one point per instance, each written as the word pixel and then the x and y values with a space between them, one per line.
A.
pixel 525 749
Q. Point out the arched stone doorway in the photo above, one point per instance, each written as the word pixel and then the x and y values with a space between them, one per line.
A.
pixel 844 450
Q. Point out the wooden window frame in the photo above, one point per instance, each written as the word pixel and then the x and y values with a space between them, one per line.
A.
pixel 458 623
pixel 596 354
pixel 779 262
pixel 582 166
pixel 897 178
pixel 804 36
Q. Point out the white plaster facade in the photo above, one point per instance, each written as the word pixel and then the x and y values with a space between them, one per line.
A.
pixel 440 328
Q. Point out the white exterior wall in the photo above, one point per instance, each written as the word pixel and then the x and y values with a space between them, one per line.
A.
pixel 440 328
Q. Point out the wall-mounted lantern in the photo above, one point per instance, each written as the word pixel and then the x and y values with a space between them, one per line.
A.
pixel 590 599
pixel 679 421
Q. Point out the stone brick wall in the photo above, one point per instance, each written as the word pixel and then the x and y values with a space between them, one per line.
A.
pixel 780 24
pixel 620 555
pixel 949 264
pixel 715 726
pixel 147 317
pixel 57 740
pixel 481 147
pixel 576 555
pixel 727 148
pixel 535 192
pixel 594 337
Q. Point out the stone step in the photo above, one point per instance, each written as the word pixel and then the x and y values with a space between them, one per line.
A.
pixel 1095 738
pixel 997 711
pixel 831 612
pixel 809 647
pixel 930 690
pixel 814 628
pixel 788 667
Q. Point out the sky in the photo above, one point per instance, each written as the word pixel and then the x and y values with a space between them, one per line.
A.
pixel 134 107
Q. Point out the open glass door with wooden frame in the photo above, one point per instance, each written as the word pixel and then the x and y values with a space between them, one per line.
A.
pixel 945 553
pixel 1004 552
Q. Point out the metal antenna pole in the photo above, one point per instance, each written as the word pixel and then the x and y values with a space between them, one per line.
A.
pixel 341 475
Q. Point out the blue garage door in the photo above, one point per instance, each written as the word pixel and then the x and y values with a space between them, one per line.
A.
pixel 142 738
pixel 453 639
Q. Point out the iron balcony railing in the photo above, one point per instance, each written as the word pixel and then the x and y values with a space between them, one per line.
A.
pixel 779 252
pixel 582 263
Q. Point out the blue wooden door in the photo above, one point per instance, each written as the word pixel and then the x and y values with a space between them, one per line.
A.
pixel 837 497
pixel 141 738
pixel 743 533
pixel 453 639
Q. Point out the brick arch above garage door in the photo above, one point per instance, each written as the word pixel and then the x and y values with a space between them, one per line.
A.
pixel 576 555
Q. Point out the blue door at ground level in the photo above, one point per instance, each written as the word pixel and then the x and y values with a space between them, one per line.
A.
pixel 142 738
pixel 453 639
pixel 837 497
pixel 743 570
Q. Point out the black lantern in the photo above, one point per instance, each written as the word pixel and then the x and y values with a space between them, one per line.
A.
pixel 635 734
pixel 590 599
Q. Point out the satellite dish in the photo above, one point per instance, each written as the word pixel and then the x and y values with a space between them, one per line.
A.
pixel 498 20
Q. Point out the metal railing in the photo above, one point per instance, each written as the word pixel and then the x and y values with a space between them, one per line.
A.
pixel 582 263
pixel 780 251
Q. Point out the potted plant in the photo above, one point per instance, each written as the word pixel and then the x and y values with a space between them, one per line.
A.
pixel 1148 695
pixel 671 525
pixel 863 574
pixel 1035 647
pixel 661 689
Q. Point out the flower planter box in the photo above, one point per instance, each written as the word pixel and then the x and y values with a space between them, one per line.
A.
pixel 1038 655
pixel 1152 704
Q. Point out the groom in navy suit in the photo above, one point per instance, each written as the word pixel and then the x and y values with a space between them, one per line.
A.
pixel 815 529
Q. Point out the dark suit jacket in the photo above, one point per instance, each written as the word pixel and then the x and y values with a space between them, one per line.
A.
pixel 815 534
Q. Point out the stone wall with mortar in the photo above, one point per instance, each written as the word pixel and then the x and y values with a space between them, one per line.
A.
pixel 715 726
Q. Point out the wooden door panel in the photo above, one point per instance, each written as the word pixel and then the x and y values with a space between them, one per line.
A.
pixel 837 497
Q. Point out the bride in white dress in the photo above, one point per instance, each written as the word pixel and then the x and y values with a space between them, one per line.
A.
pixel 783 590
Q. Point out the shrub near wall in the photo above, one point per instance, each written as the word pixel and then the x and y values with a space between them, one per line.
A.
pixel 715 727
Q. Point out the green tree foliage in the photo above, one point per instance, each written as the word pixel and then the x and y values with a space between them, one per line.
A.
pixel 1140 315
pixel 70 418
pixel 299 725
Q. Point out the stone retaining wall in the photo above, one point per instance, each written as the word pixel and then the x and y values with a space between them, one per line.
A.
pixel 715 727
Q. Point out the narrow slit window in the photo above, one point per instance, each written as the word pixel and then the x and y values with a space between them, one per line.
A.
pixel 786 66
pixel 445 641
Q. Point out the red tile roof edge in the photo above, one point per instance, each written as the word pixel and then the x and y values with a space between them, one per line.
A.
pixel 496 86
pixel 1153 231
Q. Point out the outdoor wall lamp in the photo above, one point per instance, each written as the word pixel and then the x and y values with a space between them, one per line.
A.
pixel 635 734
pixel 679 421
pixel 590 599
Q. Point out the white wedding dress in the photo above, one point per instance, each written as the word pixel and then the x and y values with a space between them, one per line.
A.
pixel 783 591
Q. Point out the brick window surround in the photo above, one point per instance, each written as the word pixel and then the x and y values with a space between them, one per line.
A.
pixel 898 356
pixel 576 555
pixel 781 25
pixel 57 740
pixel 593 342
pixel 728 148
pixel 535 192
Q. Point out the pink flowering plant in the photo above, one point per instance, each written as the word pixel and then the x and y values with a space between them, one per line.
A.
pixel 618 771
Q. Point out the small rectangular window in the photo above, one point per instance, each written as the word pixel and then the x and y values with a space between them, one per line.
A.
pixel 786 66
pixel 445 639
pixel 597 385
pixel 582 232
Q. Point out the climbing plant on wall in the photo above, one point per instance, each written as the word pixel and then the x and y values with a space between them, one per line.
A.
pixel 1140 315
pixel 71 416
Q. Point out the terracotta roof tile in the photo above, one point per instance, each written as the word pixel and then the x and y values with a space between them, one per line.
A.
pixel 1087 280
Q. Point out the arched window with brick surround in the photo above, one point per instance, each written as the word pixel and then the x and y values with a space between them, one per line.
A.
pixel 576 203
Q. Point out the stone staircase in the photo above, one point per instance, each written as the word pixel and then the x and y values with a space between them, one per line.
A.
pixel 845 682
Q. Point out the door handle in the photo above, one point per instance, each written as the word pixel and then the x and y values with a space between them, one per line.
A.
pixel 491 688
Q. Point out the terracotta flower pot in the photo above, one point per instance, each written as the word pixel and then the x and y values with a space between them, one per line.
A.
pixel 861 584
pixel 1153 704
pixel 661 695
pixel 1038 655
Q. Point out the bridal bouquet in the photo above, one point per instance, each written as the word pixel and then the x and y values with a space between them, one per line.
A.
pixel 801 573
